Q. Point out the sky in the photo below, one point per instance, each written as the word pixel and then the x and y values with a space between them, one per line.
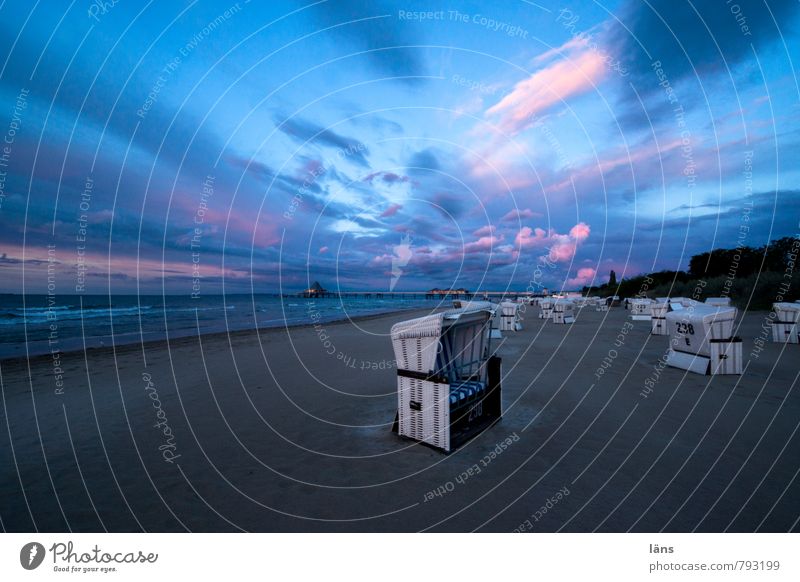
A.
pixel 209 147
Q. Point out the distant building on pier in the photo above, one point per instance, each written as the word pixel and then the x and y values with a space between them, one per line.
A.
pixel 460 291
pixel 316 290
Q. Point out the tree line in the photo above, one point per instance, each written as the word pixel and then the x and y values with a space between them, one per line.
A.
pixel 750 276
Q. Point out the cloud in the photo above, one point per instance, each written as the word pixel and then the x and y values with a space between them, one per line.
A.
pixel 485 230
pixel 122 267
pixel 449 205
pixel 547 87
pixel 483 244
pixel 519 214
pixel 580 231
pixel 391 211
pixel 6 260
pixel 422 161
pixel 387 177
pixel 574 44
pixel 528 237
pixel 560 247
pixel 585 276
pixel 305 131
pixel 375 122
pixel 383 260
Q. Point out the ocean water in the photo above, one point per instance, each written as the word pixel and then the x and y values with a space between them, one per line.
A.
pixel 38 324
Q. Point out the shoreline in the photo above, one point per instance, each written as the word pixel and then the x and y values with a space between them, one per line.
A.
pixel 182 340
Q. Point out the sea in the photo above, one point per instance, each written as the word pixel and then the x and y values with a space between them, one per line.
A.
pixel 41 324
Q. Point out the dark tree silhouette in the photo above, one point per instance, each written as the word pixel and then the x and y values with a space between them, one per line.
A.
pixel 744 261
pixel 733 271
pixel 781 254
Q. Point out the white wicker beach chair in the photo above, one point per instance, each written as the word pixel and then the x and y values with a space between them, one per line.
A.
pixel 563 311
pixel 786 322
pixel 718 301
pixel 678 303
pixel 640 309
pixel 546 307
pixel 510 319
pixel 702 340
pixel 658 318
pixel 493 308
pixel 448 384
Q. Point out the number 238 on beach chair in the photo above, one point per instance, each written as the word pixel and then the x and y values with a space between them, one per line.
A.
pixel 702 340
pixel 448 383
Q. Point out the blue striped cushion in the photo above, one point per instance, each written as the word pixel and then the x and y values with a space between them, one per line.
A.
pixel 465 390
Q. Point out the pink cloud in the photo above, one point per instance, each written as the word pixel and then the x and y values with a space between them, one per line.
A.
pixel 391 211
pixel 519 214
pixel 585 276
pixel 580 231
pixel 323 250
pixel 484 243
pixel 562 247
pixel 576 42
pixel 381 260
pixel 145 268
pixel 547 87
pixel 528 237
pixel 484 230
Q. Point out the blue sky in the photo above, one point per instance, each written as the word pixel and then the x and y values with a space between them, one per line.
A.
pixel 237 146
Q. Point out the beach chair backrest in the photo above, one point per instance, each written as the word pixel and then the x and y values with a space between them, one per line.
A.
pixel 416 343
pixel 718 301
pixel 786 312
pixel 659 309
pixel 464 348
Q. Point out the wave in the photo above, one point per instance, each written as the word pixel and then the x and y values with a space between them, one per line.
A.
pixel 19 311
pixel 36 315
pixel 193 309
pixel 63 313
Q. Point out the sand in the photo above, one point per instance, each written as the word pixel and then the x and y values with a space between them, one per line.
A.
pixel 290 431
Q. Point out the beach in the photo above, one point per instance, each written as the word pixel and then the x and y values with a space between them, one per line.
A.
pixel 288 429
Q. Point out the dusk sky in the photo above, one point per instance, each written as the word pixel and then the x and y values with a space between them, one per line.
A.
pixel 262 146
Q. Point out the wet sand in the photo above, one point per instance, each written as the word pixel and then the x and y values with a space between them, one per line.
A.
pixel 289 430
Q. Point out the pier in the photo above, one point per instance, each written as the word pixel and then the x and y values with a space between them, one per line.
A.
pixel 467 295
pixel 317 291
